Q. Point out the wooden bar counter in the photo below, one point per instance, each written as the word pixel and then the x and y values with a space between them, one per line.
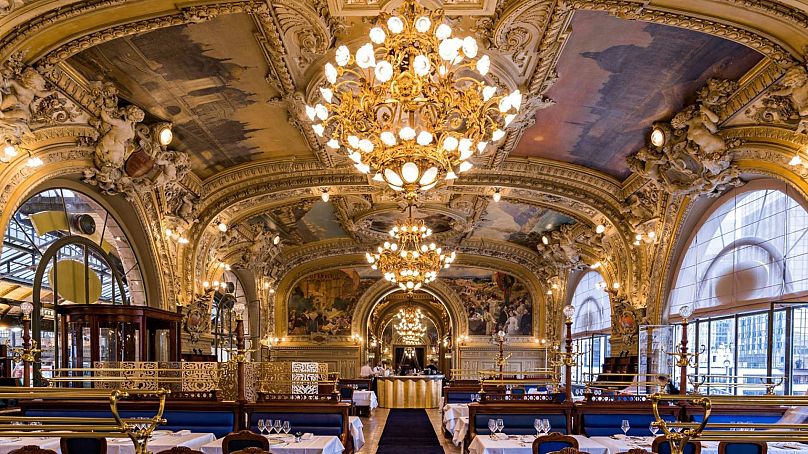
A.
pixel 410 391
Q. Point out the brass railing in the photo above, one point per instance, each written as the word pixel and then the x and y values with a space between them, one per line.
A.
pixel 136 429
pixel 712 381
pixel 595 389
pixel 679 434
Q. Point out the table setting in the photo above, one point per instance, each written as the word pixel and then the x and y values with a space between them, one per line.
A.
pixel 290 444
pixel 161 440
pixel 365 399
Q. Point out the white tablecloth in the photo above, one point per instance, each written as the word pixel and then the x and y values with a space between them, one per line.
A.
pixel 523 444
pixel 621 443
pixel 315 445
pixel 365 399
pixel 356 432
pixel 161 443
pixel 451 413
pixel 8 444
pixel 460 429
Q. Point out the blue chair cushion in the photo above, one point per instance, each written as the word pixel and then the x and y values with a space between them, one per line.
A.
pixel 730 418
pixel 606 424
pixel 220 423
pixel 316 423
pixel 519 424
pixel 665 448
pixel 553 446
pixel 84 446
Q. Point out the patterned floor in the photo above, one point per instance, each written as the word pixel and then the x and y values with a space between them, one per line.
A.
pixel 374 426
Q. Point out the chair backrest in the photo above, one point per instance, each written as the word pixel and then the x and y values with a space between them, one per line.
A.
pixel 635 451
pixel 32 449
pixel 243 439
pixel 568 451
pixel 251 451
pixel 553 442
pixel 742 447
pixel 661 446
pixel 346 393
pixel 180 450
pixel 83 445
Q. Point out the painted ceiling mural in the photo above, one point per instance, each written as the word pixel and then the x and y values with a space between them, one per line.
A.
pixel 518 223
pixel 302 222
pixel 209 79
pixel 616 77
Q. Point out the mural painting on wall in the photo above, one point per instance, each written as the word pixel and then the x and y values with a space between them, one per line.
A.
pixel 323 303
pixel 494 301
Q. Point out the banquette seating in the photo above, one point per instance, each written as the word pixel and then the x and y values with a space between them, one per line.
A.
pixel 219 418
pixel 601 419
pixel 518 416
pixel 745 447
pixel 318 418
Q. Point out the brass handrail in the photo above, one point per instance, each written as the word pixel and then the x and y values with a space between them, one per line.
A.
pixel 136 429
pixel 773 381
pixel 690 431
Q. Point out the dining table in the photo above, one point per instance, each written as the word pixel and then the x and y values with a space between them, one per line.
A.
pixel 363 398
pixel 8 444
pixel 355 425
pixel 523 444
pixel 286 444
pixel 623 443
pixel 451 413
pixel 161 441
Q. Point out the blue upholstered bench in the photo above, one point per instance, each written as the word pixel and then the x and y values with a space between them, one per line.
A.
pixel 729 418
pixel 316 423
pixel 219 423
pixel 605 424
pixel 459 397
pixel 519 423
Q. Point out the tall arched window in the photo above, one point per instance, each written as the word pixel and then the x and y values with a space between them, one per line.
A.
pixel 752 248
pixel 746 261
pixel 591 324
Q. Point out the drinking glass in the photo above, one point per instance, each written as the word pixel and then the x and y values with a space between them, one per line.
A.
pixel 492 426
pixel 653 428
pixel 277 426
pixel 538 424
pixel 262 425
pixel 625 427
pixel 500 425
pixel 547 426
pixel 286 427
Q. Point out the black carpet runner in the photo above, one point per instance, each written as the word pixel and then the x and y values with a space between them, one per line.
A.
pixel 409 431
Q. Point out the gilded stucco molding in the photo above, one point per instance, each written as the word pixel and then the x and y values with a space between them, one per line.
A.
pixel 752 85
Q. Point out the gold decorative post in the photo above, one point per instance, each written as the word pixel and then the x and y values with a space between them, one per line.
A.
pixel 683 358
pixel 500 360
pixel 26 354
pixel 241 354
pixel 569 360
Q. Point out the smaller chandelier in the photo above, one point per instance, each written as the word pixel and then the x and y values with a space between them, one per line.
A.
pixel 409 261
pixel 411 106
pixel 410 324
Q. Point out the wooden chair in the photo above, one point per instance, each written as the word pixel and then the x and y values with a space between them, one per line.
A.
pixel 745 447
pixel 251 451
pixel 83 445
pixel 661 446
pixel 32 449
pixel 180 450
pixel 568 451
pixel 635 451
pixel 553 442
pixel 242 440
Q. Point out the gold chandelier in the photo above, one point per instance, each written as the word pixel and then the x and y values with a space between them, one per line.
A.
pixel 410 325
pixel 407 261
pixel 410 106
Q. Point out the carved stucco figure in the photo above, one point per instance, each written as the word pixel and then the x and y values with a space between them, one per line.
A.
pixel 795 86
pixel 20 89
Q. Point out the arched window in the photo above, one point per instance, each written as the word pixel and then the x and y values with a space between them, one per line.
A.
pixel 223 315
pixel 590 325
pixel 593 312
pixel 752 248
pixel 59 213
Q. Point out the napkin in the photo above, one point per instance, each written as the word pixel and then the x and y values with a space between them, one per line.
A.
pixel 183 432
pixel 307 436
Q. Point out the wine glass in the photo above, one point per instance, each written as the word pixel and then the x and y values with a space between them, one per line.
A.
pixel 653 428
pixel 262 425
pixel 547 426
pixel 538 424
pixel 286 427
pixel 492 426
pixel 500 425
pixel 277 426
pixel 625 426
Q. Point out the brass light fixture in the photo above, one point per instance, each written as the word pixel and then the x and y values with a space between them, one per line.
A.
pixel 408 260
pixel 410 107
pixel 410 325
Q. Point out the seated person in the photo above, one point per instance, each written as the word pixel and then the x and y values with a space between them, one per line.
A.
pixel 432 368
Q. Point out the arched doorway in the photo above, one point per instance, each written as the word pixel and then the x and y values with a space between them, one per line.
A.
pixel 409 331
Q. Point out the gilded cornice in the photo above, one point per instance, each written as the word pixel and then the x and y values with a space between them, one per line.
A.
pixel 752 85
pixel 249 171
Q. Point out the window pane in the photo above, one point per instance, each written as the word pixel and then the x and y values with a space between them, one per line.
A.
pixel 753 345
pixel 799 349
pixel 721 354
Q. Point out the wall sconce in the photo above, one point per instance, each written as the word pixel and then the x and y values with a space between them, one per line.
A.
pixel 324 195
pixel 569 312
pixel 356 338
pixel 462 340
pixel 176 236
pixel 164 133
pixel 221 226
pixel 600 228
pixel 497 195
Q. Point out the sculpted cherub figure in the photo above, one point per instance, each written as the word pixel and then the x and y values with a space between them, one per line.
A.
pixel 702 128
pixel 113 147
pixel 16 107
pixel 795 85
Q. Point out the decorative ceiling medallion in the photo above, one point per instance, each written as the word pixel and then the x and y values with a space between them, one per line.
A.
pixel 411 107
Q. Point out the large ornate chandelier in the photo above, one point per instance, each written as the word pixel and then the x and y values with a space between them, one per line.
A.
pixel 411 107
pixel 408 260
pixel 410 325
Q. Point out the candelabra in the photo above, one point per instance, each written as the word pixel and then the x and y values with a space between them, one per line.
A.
pixel 566 358
pixel 500 338
pixel 30 349
pixel 684 359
